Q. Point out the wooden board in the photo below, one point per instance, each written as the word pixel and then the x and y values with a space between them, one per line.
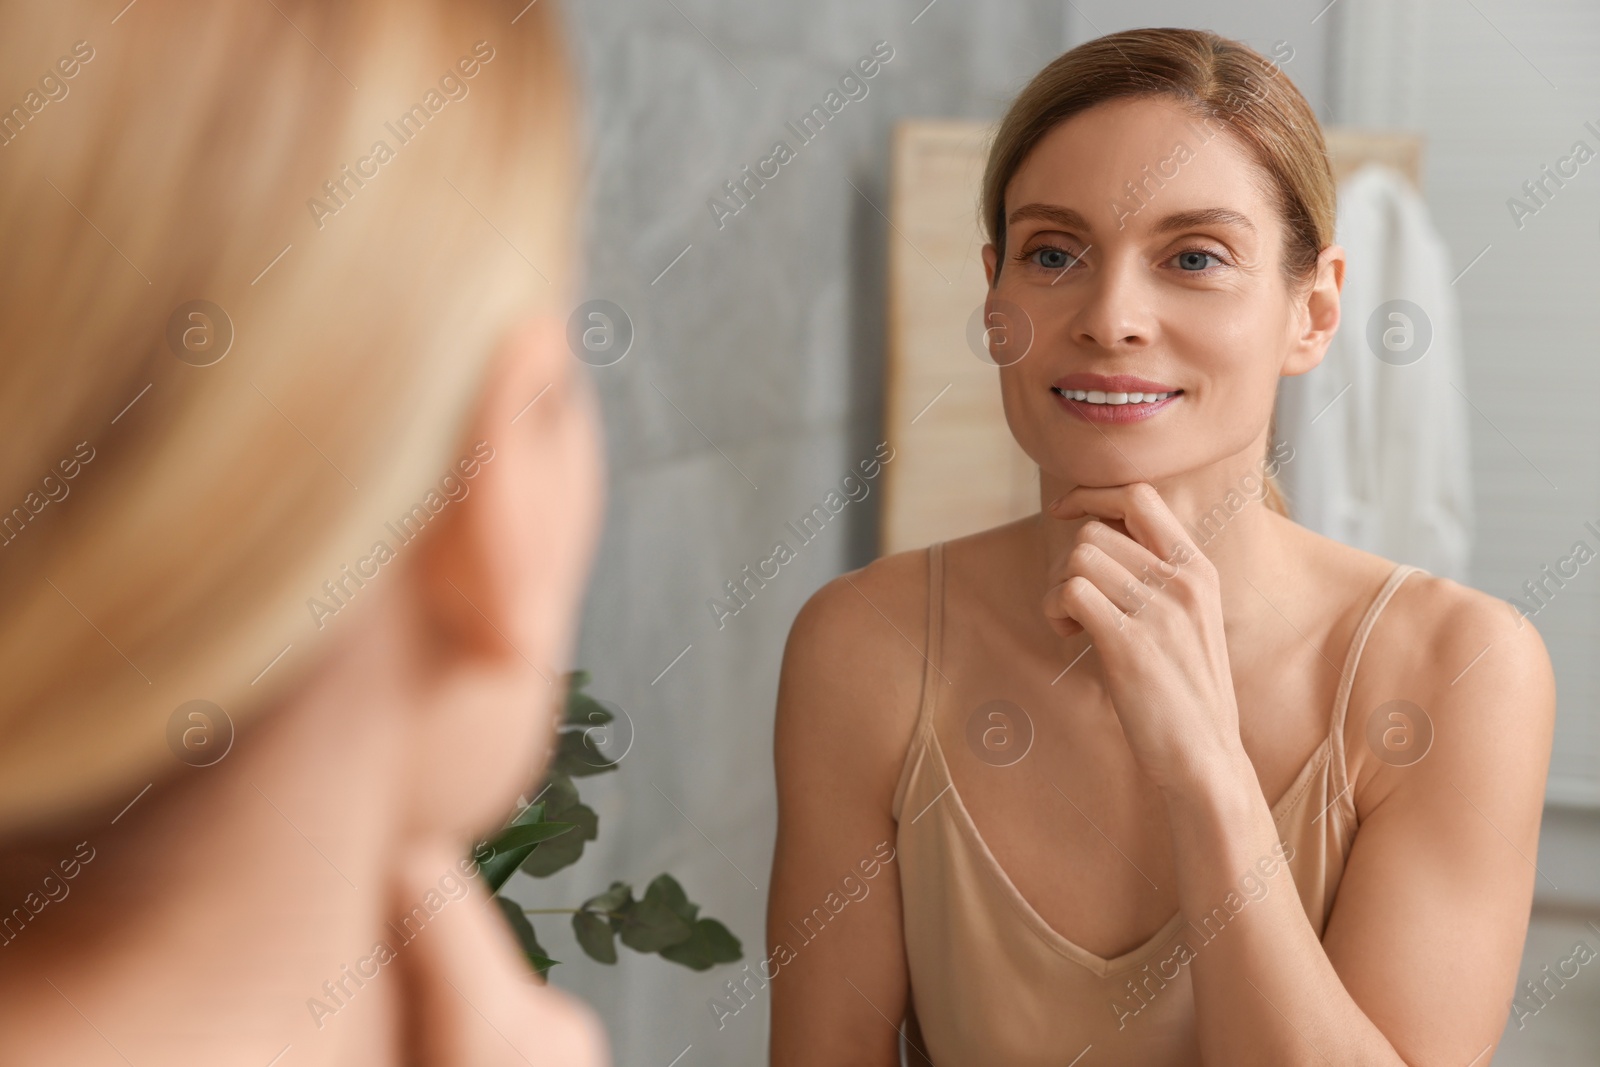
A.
pixel 957 469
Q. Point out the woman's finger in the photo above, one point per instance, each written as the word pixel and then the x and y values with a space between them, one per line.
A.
pixel 1115 582
pixel 1143 565
pixel 1113 585
pixel 1081 601
pixel 474 1000
pixel 1137 506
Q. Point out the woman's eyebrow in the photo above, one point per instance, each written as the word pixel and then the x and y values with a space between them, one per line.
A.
pixel 1206 216
pixel 1180 220
pixel 1063 216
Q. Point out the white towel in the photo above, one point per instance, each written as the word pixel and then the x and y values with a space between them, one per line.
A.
pixel 1385 466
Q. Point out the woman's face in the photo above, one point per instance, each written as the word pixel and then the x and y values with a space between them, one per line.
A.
pixel 1179 294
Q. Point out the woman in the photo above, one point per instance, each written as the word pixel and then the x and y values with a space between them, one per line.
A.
pixel 1170 779
pixel 245 347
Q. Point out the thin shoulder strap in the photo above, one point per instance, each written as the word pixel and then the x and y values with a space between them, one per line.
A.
pixel 1347 676
pixel 935 643
pixel 930 668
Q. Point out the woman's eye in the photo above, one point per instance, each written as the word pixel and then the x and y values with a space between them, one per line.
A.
pixel 1053 259
pixel 1194 260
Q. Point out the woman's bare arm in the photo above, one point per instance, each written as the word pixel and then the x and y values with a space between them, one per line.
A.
pixel 1420 954
pixel 847 704
pixel 1428 928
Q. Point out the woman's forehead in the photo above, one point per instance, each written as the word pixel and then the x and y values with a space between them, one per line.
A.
pixel 1113 162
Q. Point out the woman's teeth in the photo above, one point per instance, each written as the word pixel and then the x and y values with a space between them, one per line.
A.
pixel 1096 396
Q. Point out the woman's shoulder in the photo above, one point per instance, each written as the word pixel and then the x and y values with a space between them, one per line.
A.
pixel 1442 656
pixel 1449 684
pixel 1432 626
pixel 1436 630
pixel 887 601
pixel 1455 690
pixel 852 677
pixel 1428 620
pixel 888 594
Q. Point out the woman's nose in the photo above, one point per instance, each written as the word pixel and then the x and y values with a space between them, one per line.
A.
pixel 1113 305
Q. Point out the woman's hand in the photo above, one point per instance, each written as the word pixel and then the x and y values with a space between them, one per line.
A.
pixel 1150 602
pixel 471 1000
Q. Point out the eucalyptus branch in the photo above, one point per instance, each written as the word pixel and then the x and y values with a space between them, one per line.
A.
pixel 549 834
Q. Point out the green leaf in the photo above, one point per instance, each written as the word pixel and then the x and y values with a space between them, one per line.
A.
pixel 557 794
pixel 585 710
pixel 651 925
pixel 710 944
pixel 523 929
pixel 666 889
pixel 577 679
pixel 533 813
pixel 595 936
pixel 618 900
pixel 511 845
pixel 513 837
pixel 564 851
pixel 500 866
pixel 496 865
pixel 577 756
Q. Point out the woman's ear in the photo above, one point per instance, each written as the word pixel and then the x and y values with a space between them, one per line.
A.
pixel 506 569
pixel 991 261
pixel 498 583
pixel 1319 318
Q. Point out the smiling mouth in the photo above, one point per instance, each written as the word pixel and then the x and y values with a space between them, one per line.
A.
pixel 1096 396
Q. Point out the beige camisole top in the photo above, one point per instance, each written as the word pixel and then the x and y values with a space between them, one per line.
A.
pixel 992 983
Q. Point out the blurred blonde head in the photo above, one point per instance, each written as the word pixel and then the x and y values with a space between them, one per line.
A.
pixel 185 159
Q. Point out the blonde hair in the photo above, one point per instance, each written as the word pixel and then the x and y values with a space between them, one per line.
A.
pixel 1225 83
pixel 185 160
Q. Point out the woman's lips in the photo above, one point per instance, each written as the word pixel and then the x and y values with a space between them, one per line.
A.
pixel 1113 383
pixel 1115 406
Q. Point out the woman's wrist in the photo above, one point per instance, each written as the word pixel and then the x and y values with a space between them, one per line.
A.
pixel 1219 817
pixel 1220 781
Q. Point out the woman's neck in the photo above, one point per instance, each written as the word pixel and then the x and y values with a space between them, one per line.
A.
pixel 216 905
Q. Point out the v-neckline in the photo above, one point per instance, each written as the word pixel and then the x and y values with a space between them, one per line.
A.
pixel 1100 965
pixel 1330 751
